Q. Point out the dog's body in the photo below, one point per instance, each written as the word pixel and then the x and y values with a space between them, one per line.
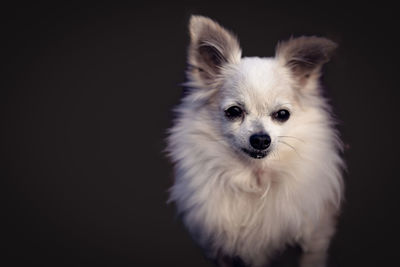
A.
pixel 256 154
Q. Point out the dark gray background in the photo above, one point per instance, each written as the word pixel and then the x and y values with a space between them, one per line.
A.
pixel 86 97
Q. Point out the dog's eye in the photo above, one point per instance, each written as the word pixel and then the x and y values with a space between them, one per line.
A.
pixel 281 115
pixel 234 112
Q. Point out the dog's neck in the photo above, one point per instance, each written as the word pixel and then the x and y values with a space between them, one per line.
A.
pixel 263 176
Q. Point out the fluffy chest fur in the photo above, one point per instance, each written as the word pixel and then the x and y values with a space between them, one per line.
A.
pixel 236 207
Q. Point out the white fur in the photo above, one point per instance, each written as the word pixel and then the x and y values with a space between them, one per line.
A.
pixel 239 206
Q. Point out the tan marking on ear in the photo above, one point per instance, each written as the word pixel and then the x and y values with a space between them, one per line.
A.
pixel 211 46
pixel 305 56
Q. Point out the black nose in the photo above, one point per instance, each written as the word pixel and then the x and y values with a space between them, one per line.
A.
pixel 260 141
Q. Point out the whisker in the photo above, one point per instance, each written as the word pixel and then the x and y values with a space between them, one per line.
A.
pixel 288 136
pixel 280 141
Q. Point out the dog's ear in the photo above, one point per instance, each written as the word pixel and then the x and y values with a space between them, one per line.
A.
pixel 211 47
pixel 305 56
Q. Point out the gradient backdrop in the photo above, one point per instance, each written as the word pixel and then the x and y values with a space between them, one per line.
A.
pixel 85 101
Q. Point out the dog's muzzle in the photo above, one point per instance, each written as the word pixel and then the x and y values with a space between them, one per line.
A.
pixel 257 154
pixel 259 144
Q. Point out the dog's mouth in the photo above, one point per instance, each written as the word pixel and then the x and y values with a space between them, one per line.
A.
pixel 257 154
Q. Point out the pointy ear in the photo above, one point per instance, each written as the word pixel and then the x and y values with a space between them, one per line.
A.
pixel 211 47
pixel 305 56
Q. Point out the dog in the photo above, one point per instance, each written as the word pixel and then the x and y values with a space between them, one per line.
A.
pixel 257 158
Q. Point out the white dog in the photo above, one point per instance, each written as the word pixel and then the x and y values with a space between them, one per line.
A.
pixel 256 154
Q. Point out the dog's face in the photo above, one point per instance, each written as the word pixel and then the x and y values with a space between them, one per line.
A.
pixel 257 102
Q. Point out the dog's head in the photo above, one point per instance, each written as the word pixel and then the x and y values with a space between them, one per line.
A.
pixel 259 104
